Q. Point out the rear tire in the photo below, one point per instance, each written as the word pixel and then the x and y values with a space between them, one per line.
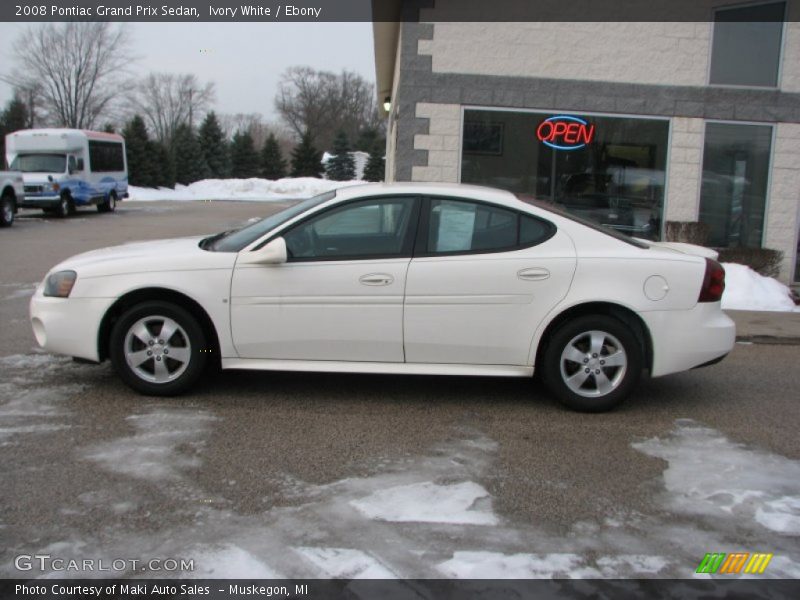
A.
pixel 592 363
pixel 157 348
pixel 109 204
pixel 7 209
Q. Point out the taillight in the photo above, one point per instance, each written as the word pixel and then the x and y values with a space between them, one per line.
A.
pixel 713 282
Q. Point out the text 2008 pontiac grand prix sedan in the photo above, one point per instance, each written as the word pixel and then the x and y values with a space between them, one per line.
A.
pixel 402 278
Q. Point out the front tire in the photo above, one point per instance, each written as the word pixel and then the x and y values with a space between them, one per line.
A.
pixel 65 207
pixel 7 209
pixel 592 363
pixel 158 349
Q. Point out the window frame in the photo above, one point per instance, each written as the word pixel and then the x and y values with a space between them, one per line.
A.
pixel 407 245
pixel 770 165
pixel 423 229
pixel 781 46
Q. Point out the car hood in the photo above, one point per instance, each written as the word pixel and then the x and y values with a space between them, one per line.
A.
pixel 690 249
pixel 178 254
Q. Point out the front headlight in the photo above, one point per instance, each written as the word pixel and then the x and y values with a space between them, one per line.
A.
pixel 50 188
pixel 60 284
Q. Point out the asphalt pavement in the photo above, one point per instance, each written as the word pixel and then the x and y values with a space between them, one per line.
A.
pixel 316 475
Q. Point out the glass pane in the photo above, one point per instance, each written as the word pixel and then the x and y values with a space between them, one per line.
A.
pixel 457 226
pixel 747 45
pixel 734 189
pixel 362 229
pixel 609 170
pixel 533 230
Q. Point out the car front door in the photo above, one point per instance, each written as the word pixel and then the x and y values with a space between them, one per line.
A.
pixel 482 279
pixel 340 294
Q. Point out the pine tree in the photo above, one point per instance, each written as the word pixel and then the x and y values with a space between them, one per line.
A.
pixel 109 128
pixel 190 166
pixel 272 164
pixel 244 160
pixel 13 118
pixel 341 166
pixel 142 168
pixel 375 170
pixel 306 159
pixel 164 165
pixel 215 147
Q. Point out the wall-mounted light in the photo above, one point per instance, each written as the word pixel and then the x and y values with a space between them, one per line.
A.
pixel 387 103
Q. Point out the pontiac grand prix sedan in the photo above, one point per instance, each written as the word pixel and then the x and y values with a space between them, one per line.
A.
pixel 402 278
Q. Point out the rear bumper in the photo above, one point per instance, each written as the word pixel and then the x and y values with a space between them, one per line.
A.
pixel 683 340
pixel 68 325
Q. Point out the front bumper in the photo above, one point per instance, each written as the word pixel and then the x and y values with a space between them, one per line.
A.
pixel 40 201
pixel 68 325
pixel 683 340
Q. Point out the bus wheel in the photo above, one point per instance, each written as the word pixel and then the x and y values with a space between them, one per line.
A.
pixel 65 207
pixel 109 204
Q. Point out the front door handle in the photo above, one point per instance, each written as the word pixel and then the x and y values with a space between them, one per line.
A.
pixel 376 279
pixel 533 274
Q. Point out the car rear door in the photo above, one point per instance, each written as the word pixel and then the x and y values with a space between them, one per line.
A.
pixel 339 296
pixel 482 279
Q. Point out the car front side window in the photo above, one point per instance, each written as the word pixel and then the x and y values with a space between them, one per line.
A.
pixel 377 227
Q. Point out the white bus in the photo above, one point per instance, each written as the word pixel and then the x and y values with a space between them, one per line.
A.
pixel 64 169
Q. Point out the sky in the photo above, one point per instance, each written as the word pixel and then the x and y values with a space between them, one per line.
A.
pixel 244 60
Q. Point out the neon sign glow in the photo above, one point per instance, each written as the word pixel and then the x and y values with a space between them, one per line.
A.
pixel 565 132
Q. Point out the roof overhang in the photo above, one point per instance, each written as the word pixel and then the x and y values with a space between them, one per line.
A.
pixel 386 33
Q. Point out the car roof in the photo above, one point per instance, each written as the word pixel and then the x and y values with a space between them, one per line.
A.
pixel 458 190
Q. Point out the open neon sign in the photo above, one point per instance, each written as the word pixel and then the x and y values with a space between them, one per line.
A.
pixel 565 132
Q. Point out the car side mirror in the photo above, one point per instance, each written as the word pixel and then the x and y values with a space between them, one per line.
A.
pixel 273 253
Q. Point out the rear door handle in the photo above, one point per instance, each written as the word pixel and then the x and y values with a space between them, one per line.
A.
pixel 533 274
pixel 376 279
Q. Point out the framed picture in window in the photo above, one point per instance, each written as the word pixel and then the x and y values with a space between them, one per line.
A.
pixel 482 137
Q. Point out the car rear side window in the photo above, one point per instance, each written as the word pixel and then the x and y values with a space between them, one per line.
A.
pixel 458 226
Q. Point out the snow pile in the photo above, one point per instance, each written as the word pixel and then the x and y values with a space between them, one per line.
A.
pixel 747 290
pixel 345 563
pixel 290 188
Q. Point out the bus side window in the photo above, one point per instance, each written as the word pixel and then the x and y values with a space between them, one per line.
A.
pixel 73 165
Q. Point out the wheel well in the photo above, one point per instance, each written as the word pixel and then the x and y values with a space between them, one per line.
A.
pixel 161 294
pixel 8 191
pixel 621 313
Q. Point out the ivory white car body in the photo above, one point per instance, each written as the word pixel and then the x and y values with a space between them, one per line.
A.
pixel 399 278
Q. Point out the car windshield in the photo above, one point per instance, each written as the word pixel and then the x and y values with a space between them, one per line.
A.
pixel 235 240
pixel 40 163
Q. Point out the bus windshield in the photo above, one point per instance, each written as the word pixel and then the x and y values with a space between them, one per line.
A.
pixel 40 163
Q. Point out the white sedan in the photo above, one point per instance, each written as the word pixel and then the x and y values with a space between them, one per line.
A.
pixel 403 278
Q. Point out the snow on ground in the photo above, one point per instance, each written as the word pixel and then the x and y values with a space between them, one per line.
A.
pixel 747 290
pixel 241 189
pixel 399 522
pixel 493 565
pixel 709 475
pixel 345 563
pixel 429 503
pixel 29 401
pixel 151 453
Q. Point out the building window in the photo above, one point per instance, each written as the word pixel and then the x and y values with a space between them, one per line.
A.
pixel 607 169
pixel 747 45
pixel 733 194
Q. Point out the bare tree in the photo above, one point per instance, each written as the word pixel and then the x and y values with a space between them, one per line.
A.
pixel 74 69
pixel 168 100
pixel 325 103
